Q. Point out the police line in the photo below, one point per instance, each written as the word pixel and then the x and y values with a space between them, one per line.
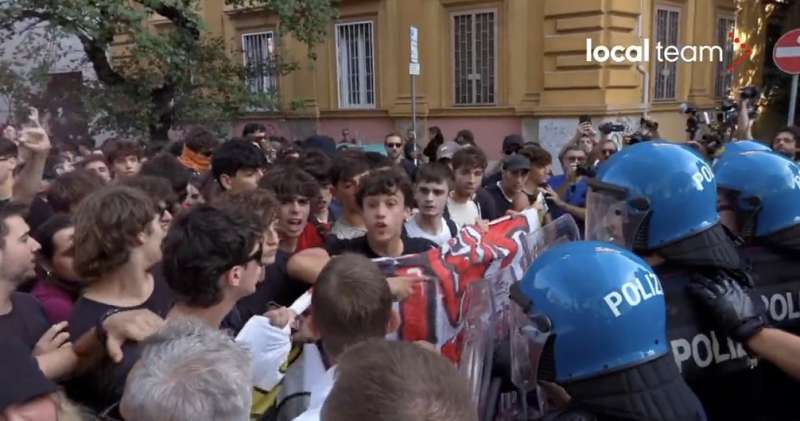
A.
pixel 700 350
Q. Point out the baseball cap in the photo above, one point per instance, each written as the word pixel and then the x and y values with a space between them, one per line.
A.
pixel 516 162
pixel 512 143
pixel 447 150
pixel 22 379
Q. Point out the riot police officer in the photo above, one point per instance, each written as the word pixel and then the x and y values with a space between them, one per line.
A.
pixel 759 200
pixel 591 317
pixel 659 199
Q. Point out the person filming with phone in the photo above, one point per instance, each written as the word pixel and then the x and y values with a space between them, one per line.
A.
pixel 566 193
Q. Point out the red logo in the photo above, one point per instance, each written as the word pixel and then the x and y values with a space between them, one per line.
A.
pixel 745 52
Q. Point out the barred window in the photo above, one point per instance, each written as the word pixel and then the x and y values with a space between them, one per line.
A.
pixel 724 80
pixel 355 65
pixel 259 62
pixel 667 28
pixel 474 59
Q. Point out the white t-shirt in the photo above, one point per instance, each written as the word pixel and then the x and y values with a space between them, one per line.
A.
pixel 463 213
pixel 413 230
pixel 344 231
pixel 319 392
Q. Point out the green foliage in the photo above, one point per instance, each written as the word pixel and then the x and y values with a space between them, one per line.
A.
pixel 163 74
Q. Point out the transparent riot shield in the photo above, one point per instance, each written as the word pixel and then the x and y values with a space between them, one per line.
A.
pixel 479 324
pixel 526 330
pixel 562 230
pixel 487 319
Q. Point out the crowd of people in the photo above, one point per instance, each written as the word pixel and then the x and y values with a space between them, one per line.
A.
pixel 132 277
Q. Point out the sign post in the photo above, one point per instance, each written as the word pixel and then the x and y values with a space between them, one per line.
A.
pixel 413 71
pixel 787 58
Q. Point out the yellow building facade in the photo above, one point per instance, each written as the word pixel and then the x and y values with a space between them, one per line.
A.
pixel 493 67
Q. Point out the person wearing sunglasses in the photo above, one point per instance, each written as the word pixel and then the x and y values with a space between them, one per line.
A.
pixel 212 258
pixel 160 192
pixel 394 145
pixel 118 235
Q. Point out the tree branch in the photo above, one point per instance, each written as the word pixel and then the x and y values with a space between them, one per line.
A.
pixel 96 52
pixel 175 15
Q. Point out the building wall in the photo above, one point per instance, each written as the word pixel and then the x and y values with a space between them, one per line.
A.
pixel 543 80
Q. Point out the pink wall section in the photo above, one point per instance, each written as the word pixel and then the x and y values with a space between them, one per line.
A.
pixel 367 130
pixel 489 132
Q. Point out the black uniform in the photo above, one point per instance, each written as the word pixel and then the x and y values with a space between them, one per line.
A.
pixel 652 391
pixel 776 274
pixel 730 383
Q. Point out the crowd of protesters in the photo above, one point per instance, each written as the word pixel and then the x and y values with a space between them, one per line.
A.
pixel 126 272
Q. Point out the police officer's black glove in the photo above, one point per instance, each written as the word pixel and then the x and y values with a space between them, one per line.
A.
pixel 730 305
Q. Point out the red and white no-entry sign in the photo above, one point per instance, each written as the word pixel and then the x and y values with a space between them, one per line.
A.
pixel 787 52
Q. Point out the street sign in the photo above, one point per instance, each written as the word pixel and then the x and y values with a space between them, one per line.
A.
pixel 787 52
pixel 787 58
pixel 414 44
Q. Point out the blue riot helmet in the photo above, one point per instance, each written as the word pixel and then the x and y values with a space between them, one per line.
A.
pixel 763 188
pixel 742 146
pixel 586 308
pixel 650 195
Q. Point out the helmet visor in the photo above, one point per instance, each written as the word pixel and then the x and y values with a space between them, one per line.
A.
pixel 611 216
pixel 528 335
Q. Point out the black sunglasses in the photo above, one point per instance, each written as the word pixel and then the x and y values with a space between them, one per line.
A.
pixel 163 208
pixel 255 257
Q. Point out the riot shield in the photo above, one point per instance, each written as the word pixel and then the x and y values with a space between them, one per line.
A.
pixel 479 324
pixel 525 330
pixel 562 230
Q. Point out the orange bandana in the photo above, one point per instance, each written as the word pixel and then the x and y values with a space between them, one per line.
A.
pixel 195 161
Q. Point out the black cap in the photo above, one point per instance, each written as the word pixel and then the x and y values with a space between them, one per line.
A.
pixel 516 162
pixel 22 380
pixel 325 144
pixel 513 142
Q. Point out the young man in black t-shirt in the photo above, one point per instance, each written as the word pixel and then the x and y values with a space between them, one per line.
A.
pixel 212 258
pixel 118 236
pixel 385 198
pixel 21 316
pixel 514 176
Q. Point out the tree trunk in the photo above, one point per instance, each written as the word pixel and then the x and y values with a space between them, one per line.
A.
pixel 162 98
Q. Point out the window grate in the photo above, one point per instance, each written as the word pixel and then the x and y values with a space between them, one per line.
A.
pixel 667 28
pixel 259 62
pixel 474 60
pixel 724 80
pixel 355 65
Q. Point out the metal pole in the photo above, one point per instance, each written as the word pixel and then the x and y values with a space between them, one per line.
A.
pixel 792 101
pixel 414 115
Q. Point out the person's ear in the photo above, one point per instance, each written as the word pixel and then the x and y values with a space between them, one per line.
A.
pixel 394 322
pixel 225 181
pixel 233 277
